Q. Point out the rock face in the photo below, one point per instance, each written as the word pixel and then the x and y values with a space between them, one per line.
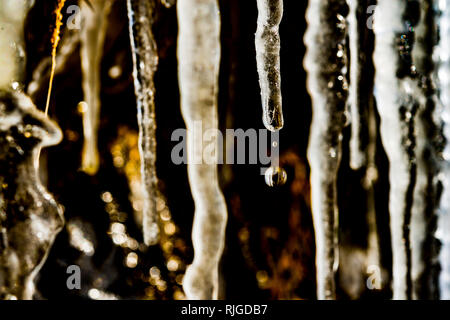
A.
pixel 29 216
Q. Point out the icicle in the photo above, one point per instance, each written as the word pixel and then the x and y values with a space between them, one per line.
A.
pixel 145 60
pixel 325 62
pixel 428 138
pixel 443 77
pixel 93 35
pixel 12 43
pixel 267 42
pixel 357 100
pixel 199 59
pixel 397 108
pixel 29 216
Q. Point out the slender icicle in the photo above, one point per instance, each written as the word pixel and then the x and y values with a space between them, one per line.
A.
pixel 428 124
pixel 267 42
pixel 12 42
pixel 443 77
pixel 93 34
pixel 30 218
pixel 145 61
pixel 397 108
pixel 357 90
pixel 199 60
pixel 325 62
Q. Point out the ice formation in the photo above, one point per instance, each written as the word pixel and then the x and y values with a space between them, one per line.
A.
pixel 29 216
pixel 394 85
pixel 326 64
pixel 145 60
pixel 267 42
pixel 428 142
pixel 357 92
pixel 199 60
pixel 93 34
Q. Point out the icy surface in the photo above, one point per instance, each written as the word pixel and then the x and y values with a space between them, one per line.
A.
pixel 199 60
pixel 326 62
pixel 145 60
pixel 29 216
pixel 267 42
pixel 397 108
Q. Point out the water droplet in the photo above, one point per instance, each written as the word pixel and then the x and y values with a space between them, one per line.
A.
pixel 275 176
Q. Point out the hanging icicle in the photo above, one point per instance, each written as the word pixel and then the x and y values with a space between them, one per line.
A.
pixel 397 107
pixel 93 34
pixel 428 140
pixel 29 216
pixel 443 78
pixel 358 94
pixel 145 61
pixel 199 60
pixel 267 42
pixel 326 64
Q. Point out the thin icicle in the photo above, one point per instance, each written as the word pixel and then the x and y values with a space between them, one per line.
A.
pixel 325 62
pixel 267 42
pixel 428 124
pixel 30 218
pixel 199 60
pixel 397 108
pixel 357 100
pixel 12 42
pixel 443 77
pixel 93 34
pixel 145 61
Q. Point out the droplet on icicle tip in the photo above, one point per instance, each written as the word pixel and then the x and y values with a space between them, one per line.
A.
pixel 275 176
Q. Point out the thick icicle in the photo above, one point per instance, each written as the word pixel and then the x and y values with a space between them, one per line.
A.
pixel 267 42
pixel 428 140
pixel 357 89
pixel 29 216
pixel 199 59
pixel 12 42
pixel 145 60
pixel 397 108
pixel 93 34
pixel 443 77
pixel 325 62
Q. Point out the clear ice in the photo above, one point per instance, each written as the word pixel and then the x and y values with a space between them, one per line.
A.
pixel 145 61
pixel 267 42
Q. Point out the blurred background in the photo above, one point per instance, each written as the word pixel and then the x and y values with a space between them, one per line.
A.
pixel 270 250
